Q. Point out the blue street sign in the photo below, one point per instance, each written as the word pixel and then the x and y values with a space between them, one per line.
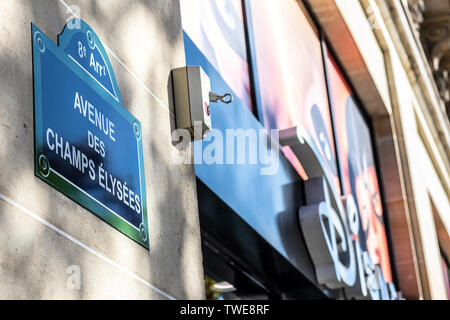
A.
pixel 87 145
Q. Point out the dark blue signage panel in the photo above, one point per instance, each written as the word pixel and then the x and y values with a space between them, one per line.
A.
pixel 87 145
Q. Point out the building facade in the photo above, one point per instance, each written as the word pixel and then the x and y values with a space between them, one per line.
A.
pixel 326 177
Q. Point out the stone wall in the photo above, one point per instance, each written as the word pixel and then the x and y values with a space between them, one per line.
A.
pixel 46 238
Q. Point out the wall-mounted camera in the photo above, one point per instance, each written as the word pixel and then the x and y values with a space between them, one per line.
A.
pixel 192 97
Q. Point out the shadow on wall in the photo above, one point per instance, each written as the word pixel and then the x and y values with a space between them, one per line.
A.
pixel 171 195
pixel 22 262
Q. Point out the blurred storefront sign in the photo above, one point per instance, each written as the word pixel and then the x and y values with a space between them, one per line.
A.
pixel 330 224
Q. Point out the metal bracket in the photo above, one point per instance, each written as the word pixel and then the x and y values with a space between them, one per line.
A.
pixel 226 98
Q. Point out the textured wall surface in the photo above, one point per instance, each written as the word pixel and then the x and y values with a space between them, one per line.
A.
pixel 42 232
